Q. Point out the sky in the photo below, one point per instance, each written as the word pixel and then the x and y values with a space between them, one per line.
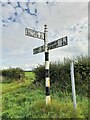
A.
pixel 62 18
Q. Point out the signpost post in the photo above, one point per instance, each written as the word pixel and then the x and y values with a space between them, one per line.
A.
pixel 45 48
pixel 47 77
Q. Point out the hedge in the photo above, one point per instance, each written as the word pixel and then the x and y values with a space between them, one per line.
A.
pixel 13 74
pixel 60 75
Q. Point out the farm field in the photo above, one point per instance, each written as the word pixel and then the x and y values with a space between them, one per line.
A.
pixel 27 100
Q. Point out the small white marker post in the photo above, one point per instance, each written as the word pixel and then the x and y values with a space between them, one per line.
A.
pixel 73 85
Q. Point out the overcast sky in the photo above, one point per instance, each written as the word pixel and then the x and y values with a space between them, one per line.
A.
pixel 63 19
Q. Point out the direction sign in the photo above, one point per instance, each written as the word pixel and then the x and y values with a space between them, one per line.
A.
pixel 52 45
pixel 38 49
pixel 34 33
pixel 57 43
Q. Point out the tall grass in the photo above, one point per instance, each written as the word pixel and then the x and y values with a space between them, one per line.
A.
pixel 27 103
pixel 26 100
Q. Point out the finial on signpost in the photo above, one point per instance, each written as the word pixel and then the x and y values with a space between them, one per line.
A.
pixel 45 25
pixel 45 29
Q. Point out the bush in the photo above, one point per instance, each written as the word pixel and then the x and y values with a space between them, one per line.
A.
pixel 60 75
pixel 13 74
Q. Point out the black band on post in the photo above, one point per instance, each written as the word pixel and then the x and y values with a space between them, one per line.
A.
pixel 46 56
pixel 47 91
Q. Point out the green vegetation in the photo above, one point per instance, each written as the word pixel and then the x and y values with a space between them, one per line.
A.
pixel 29 102
pixel 30 76
pixel 26 99
pixel 12 74
pixel 60 75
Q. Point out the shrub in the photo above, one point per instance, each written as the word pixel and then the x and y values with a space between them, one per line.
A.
pixel 13 74
pixel 60 75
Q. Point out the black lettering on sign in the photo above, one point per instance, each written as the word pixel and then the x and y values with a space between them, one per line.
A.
pixel 35 34
pixel 53 45
pixel 30 32
pixel 64 41
pixel 26 31
pixel 59 42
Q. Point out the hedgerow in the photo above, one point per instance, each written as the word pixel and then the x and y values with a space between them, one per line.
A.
pixel 12 74
pixel 60 75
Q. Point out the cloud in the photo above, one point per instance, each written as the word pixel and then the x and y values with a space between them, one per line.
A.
pixel 62 20
pixel 47 1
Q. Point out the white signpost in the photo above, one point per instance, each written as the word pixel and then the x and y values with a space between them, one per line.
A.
pixel 45 48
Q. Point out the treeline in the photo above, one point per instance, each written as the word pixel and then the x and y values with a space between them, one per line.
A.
pixel 12 74
pixel 60 75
